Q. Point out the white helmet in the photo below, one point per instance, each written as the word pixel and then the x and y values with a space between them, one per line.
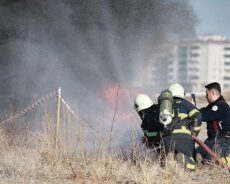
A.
pixel 177 90
pixel 142 101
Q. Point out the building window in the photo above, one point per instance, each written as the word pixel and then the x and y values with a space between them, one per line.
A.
pixel 227 55
pixel 226 48
pixel 182 70
pixel 227 63
pixel 195 47
pixel 193 69
pixel 182 61
pixel 194 77
pixel 194 61
pixel 182 53
pixel 194 55
pixel 226 78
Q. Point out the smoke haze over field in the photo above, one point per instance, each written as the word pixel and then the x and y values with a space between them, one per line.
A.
pixel 83 45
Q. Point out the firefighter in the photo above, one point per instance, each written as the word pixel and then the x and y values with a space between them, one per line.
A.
pixel 175 135
pixel 217 116
pixel 149 114
pixel 186 124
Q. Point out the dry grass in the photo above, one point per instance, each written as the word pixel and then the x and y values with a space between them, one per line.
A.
pixel 29 157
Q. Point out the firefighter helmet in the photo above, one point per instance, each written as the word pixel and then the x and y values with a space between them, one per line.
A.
pixel 142 101
pixel 177 90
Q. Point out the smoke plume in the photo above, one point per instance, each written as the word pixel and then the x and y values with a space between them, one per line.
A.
pixel 84 46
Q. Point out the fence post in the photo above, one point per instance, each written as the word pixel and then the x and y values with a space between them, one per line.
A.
pixel 56 137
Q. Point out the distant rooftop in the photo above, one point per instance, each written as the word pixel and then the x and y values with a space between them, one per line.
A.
pixel 207 39
pixel 212 38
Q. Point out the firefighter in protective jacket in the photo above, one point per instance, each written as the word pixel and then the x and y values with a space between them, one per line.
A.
pixel 175 135
pixel 186 124
pixel 149 114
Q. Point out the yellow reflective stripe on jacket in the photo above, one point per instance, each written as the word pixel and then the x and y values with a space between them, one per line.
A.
pixel 192 112
pixel 182 130
pixel 197 128
pixel 151 134
pixel 182 115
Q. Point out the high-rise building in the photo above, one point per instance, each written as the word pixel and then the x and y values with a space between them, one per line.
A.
pixel 198 62
pixel 192 63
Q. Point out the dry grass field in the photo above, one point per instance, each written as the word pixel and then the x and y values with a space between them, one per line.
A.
pixel 28 156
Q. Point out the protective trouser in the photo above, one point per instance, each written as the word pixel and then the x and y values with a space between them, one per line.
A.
pixel 211 143
pixel 220 145
pixel 183 149
pixel 223 143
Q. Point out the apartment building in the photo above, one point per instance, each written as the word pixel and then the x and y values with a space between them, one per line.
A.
pixel 198 62
pixel 193 64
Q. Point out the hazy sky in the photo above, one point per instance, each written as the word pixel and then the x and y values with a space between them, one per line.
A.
pixel 213 16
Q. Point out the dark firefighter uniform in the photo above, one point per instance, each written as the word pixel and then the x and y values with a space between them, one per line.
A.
pixel 151 127
pixel 178 136
pixel 217 116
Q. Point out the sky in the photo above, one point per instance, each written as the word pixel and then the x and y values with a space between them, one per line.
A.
pixel 213 16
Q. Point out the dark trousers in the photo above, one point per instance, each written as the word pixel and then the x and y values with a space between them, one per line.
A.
pixel 183 145
pixel 223 145
pixel 178 145
pixel 219 144
pixel 211 143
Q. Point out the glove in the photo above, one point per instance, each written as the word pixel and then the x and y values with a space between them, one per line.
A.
pixel 194 133
pixel 149 144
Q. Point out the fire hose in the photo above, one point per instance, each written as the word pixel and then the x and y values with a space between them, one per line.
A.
pixel 211 153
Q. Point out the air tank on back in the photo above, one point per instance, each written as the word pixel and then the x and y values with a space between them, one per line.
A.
pixel 166 112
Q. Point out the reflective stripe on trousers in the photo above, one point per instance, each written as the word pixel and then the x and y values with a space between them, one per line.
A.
pixel 182 130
